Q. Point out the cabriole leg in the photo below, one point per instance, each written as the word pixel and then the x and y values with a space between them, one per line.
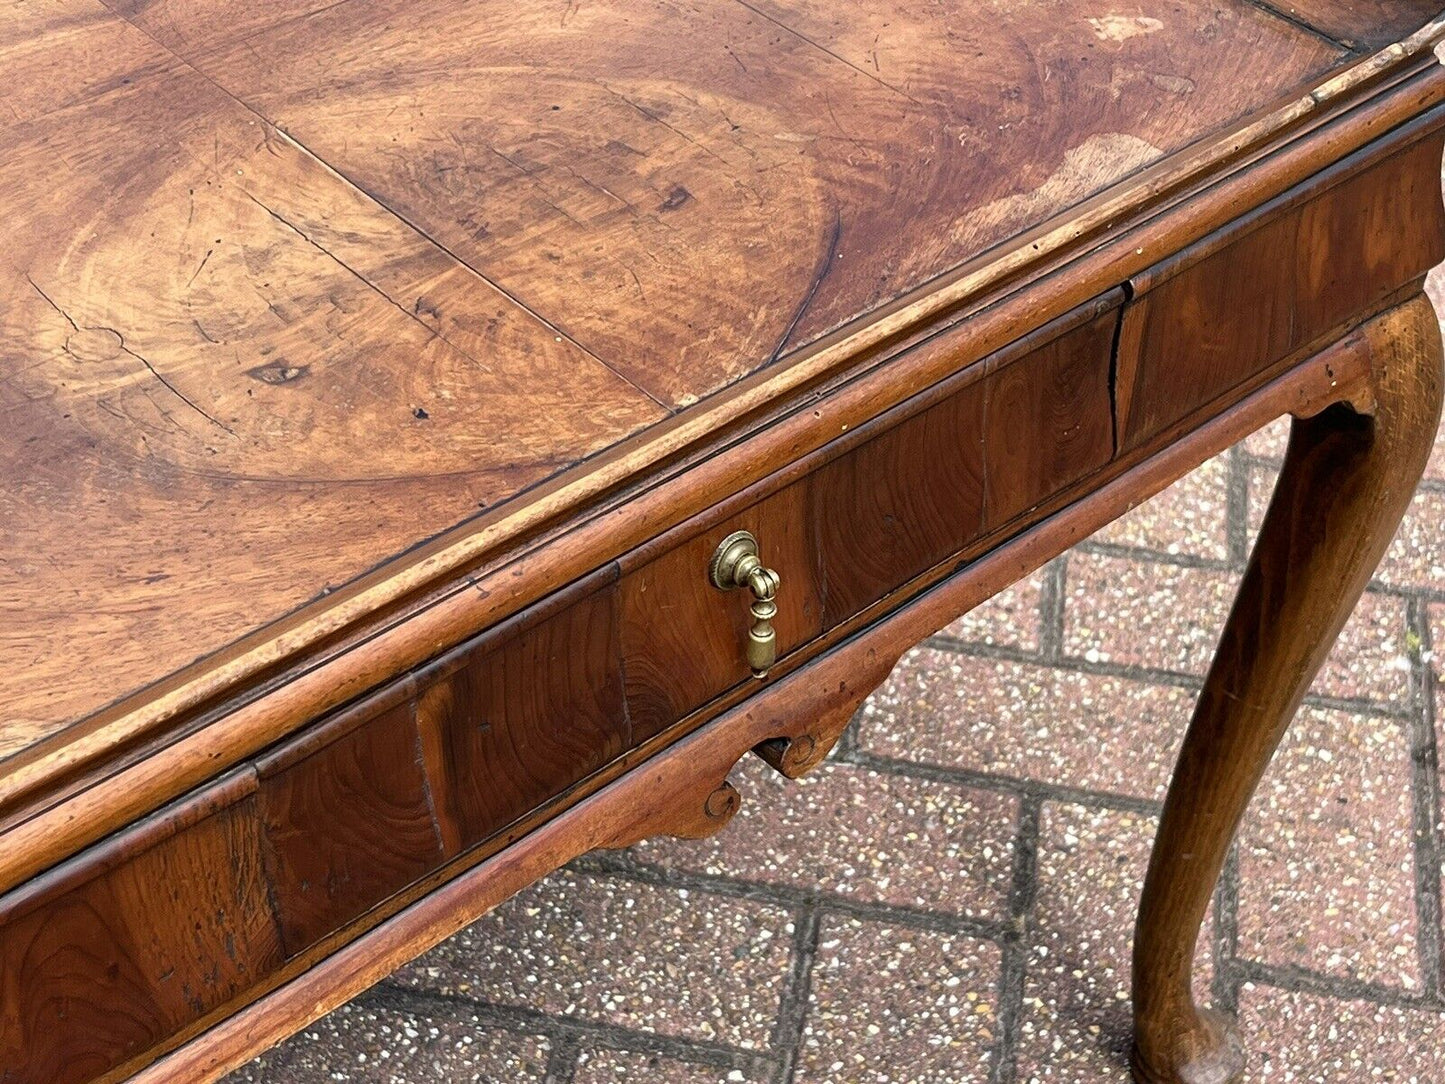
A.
pixel 1346 482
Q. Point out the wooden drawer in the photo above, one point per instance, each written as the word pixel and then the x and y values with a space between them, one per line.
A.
pixel 366 804
pixel 874 509
pixel 347 817
pixel 923 481
pixel 518 717
pixel 135 938
pixel 682 638
pixel 901 501
pixel 1049 419
pixel 1218 315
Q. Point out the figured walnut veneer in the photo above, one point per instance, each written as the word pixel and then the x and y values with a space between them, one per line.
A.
pixel 370 426
pixel 387 295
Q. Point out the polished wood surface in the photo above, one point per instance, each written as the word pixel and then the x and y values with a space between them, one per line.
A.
pixel 1049 421
pixel 184 346
pixel 1223 309
pixel 517 723
pixel 242 280
pixel 680 635
pixel 1358 23
pixel 868 534
pixel 153 745
pixel 598 178
pixel 365 805
pixel 348 823
pixel 122 948
pixel 374 422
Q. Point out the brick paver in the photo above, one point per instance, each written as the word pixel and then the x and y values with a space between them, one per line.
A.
pixel 1300 1037
pixel 1074 1021
pixel 1185 606
pixel 1010 619
pixel 893 1004
pixel 1187 520
pixel 375 1039
pixel 1326 859
pixel 892 838
pixel 1052 723
pixel 952 897
pixel 605 1066
pixel 586 946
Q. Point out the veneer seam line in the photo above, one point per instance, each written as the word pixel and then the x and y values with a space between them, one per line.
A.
pixel 330 621
pixel 1308 27
pixel 380 206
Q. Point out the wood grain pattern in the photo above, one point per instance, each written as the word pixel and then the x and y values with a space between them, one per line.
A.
pixel 1389 115
pixel 597 177
pixel 1346 482
pixel 682 639
pixel 113 963
pixel 347 824
pixel 502 726
pixel 1049 418
pixel 792 723
pixel 426 338
pixel 1003 436
pixel 295 349
pixel 901 502
pixel 506 726
pixel 1364 24
pixel 1224 310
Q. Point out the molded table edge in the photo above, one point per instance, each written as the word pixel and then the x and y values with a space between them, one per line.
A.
pixel 259 696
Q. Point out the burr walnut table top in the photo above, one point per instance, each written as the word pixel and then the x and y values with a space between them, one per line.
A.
pixel 379 382
pixel 292 296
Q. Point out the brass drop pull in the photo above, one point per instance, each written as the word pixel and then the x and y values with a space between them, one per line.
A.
pixel 736 564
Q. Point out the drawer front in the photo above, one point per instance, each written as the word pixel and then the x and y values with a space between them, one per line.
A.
pixel 1049 420
pixel 368 803
pixel 902 494
pixel 134 939
pixel 517 721
pixel 1221 313
pixel 900 502
pixel 347 818
pixel 1013 431
pixel 682 638
pixel 363 806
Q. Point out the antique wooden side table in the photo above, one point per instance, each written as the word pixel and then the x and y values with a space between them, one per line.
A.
pixel 440 438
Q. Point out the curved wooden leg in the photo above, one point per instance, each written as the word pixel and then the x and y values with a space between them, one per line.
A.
pixel 1346 482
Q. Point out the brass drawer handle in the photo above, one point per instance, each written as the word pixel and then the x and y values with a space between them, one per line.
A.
pixel 736 564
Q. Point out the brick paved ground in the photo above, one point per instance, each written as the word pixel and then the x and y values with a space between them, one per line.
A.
pixel 951 898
